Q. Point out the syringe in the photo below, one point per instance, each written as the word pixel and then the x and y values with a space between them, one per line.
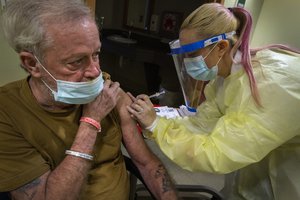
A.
pixel 157 94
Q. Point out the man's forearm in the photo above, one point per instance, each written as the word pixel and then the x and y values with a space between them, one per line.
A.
pixel 151 168
pixel 70 175
pixel 66 180
pixel 158 180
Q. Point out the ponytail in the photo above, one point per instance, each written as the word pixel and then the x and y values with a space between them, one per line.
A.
pixel 242 44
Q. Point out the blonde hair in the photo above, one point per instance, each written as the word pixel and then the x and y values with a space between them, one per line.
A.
pixel 210 19
pixel 213 19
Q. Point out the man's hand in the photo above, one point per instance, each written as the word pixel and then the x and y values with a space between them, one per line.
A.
pixel 104 103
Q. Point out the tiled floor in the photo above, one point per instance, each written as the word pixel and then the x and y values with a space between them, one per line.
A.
pixel 182 177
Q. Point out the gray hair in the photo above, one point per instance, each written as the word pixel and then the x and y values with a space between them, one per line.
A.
pixel 25 22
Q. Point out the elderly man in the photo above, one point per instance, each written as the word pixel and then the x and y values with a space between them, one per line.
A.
pixel 61 127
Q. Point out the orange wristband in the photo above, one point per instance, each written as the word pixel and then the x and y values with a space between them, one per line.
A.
pixel 92 122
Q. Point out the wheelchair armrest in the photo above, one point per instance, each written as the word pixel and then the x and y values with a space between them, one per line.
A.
pixel 132 169
pixel 216 195
pixel 5 196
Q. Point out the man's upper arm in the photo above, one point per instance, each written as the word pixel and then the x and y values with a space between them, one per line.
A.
pixel 126 120
pixel 20 162
pixel 133 140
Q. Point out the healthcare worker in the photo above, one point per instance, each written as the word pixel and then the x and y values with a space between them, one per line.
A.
pixel 248 126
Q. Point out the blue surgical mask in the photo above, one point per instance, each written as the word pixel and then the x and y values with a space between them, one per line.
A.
pixel 75 92
pixel 197 68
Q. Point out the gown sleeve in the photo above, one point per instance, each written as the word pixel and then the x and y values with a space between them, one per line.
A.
pixel 229 130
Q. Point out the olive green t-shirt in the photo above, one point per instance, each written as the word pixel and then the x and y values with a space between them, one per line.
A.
pixel 33 140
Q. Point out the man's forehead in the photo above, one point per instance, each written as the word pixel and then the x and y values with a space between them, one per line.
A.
pixel 71 28
pixel 72 31
pixel 66 41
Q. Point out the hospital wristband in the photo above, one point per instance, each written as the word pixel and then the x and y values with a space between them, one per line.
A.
pixel 92 122
pixel 152 126
pixel 79 154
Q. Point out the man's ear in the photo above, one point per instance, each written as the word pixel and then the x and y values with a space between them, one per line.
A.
pixel 30 64
pixel 223 46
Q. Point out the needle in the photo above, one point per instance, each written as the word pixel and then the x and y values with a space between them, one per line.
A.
pixel 157 94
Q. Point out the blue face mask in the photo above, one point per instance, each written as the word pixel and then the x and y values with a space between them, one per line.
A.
pixel 76 92
pixel 197 68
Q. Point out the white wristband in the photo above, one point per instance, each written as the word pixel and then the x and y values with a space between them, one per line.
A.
pixel 152 126
pixel 79 154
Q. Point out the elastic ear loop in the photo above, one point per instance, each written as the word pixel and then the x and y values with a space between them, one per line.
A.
pixel 44 67
pixel 47 73
pixel 219 60
pixel 211 51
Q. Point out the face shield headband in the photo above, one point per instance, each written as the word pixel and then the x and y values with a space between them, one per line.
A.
pixel 177 49
pixel 192 88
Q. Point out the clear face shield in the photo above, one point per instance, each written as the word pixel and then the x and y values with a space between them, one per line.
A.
pixel 192 88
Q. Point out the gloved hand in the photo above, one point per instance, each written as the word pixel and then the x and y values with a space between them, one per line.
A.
pixel 142 110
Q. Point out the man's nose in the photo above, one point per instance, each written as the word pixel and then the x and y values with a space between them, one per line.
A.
pixel 93 69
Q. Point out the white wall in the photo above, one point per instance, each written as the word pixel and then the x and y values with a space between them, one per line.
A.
pixel 9 62
pixel 254 7
pixel 278 23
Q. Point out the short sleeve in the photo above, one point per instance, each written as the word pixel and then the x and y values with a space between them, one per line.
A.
pixel 20 161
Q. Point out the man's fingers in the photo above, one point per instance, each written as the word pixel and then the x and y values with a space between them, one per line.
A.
pixel 107 83
pixel 114 85
pixel 111 88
